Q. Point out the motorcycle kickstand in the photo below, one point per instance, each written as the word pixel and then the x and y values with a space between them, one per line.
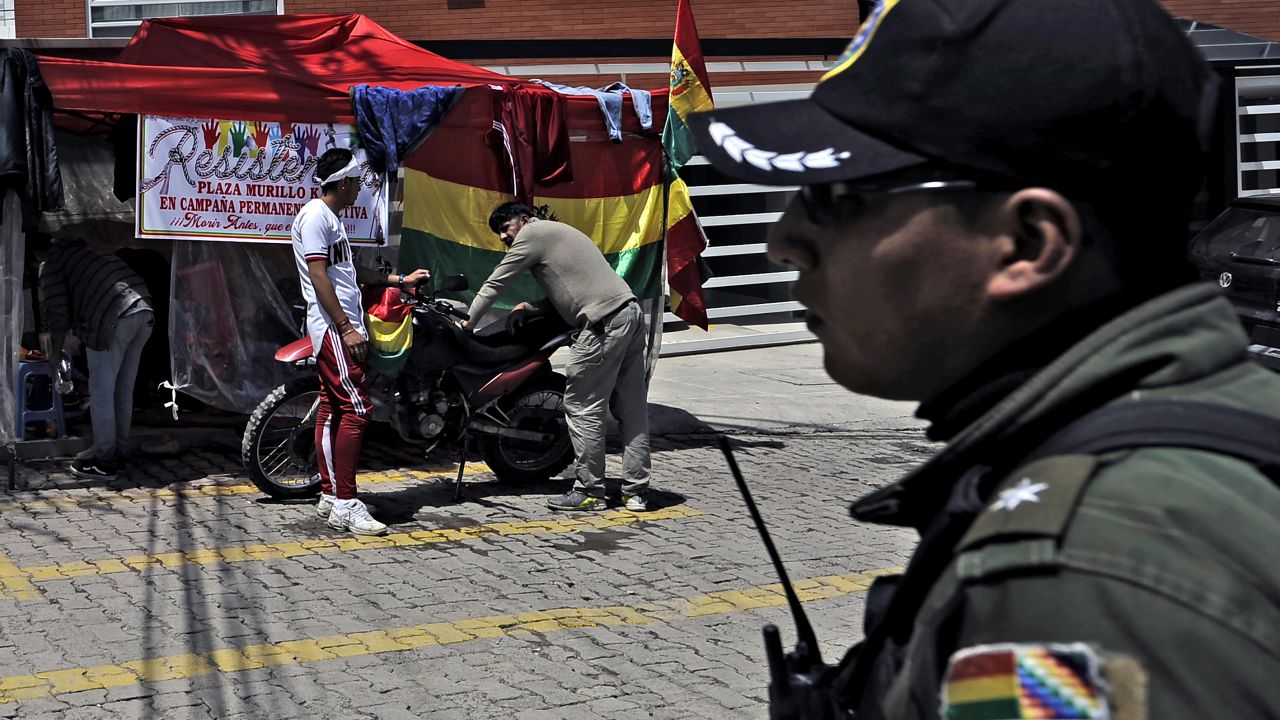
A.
pixel 462 464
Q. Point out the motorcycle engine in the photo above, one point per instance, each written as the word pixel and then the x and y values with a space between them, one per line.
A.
pixel 428 415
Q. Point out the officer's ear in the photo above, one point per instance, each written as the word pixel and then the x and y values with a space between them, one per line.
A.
pixel 1038 237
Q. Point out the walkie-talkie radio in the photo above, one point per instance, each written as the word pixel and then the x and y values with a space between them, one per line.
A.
pixel 798 680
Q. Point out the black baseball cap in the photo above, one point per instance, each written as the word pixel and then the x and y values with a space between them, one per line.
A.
pixel 1088 97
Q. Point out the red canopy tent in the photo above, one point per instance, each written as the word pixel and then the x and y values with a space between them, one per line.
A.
pixel 295 68
pixel 300 69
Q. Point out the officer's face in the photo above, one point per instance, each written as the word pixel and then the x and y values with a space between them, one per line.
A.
pixel 895 287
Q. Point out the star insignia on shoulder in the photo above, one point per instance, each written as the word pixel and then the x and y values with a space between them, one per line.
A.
pixel 1024 492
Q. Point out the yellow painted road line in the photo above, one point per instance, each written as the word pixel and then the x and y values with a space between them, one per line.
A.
pixel 321 546
pixel 311 650
pixel 15 583
pixel 144 495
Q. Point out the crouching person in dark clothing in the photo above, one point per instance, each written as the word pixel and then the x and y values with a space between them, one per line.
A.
pixel 96 296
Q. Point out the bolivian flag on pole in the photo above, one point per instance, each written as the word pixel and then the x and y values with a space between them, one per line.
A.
pixel 690 92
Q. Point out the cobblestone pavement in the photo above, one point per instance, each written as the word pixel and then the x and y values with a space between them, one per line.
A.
pixel 178 591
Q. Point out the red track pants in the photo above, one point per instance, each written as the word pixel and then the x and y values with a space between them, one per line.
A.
pixel 340 420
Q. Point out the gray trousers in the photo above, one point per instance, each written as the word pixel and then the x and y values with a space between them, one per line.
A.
pixel 606 371
pixel 111 376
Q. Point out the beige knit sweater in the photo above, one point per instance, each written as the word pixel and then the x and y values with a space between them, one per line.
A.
pixel 579 282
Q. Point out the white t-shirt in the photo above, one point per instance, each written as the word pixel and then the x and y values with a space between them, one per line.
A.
pixel 318 234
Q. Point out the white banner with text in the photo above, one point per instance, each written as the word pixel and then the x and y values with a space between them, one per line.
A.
pixel 242 181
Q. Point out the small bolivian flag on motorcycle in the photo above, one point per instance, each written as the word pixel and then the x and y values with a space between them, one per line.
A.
pixel 390 324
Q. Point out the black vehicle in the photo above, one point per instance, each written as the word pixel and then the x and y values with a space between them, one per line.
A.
pixel 1240 250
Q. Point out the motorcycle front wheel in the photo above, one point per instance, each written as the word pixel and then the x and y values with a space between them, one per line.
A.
pixel 538 405
pixel 279 445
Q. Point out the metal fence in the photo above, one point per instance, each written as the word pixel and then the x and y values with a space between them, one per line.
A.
pixel 746 289
pixel 1258 134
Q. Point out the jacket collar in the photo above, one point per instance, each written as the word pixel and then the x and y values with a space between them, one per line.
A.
pixel 1174 338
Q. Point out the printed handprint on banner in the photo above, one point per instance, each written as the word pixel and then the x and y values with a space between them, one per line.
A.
pixel 239 138
pixel 259 132
pixel 224 135
pixel 211 133
pixel 308 141
pixel 274 137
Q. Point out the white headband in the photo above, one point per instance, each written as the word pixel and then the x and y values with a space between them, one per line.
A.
pixel 352 169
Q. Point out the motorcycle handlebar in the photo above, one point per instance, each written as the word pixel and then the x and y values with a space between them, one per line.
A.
pixel 451 310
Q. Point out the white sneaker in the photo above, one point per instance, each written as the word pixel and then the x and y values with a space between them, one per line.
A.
pixel 634 503
pixel 325 504
pixel 354 516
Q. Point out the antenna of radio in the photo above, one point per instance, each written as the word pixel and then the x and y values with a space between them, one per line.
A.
pixel 806 641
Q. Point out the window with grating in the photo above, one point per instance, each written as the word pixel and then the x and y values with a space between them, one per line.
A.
pixel 119 18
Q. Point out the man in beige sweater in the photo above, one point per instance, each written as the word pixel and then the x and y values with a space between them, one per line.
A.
pixel 606 360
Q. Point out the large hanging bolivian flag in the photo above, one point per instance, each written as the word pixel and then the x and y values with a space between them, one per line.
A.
pixel 690 93
pixel 452 184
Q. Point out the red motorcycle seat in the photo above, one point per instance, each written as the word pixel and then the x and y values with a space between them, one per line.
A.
pixel 299 349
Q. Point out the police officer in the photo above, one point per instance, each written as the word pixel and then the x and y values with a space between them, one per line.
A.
pixel 992 220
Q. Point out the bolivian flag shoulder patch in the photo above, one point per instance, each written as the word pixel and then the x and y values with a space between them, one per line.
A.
pixel 1014 681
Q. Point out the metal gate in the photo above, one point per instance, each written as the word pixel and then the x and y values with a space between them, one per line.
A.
pixel 1258 135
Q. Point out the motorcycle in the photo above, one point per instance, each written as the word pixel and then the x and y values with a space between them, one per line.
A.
pixel 497 389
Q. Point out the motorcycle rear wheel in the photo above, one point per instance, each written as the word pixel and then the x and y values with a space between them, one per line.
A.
pixel 279 445
pixel 538 405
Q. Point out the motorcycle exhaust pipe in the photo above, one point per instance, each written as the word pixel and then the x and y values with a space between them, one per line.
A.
pixel 489 428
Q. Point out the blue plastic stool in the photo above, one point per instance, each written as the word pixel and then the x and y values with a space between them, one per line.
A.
pixel 25 414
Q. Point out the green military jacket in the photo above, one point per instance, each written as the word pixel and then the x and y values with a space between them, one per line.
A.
pixel 1139 584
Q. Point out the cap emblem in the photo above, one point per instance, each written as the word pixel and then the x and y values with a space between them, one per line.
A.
pixel 862 39
pixel 743 151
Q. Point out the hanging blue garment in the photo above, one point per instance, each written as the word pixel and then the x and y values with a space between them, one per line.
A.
pixel 393 123
pixel 641 102
pixel 610 99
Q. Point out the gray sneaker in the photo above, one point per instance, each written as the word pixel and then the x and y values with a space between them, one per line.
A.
pixel 577 500
pixel 634 503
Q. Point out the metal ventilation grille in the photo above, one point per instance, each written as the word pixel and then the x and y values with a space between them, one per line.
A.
pixel 1258 133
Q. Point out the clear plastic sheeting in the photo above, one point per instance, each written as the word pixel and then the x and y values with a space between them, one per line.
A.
pixel 232 306
pixel 12 246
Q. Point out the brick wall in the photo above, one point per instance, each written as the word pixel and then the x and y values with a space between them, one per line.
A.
pixel 563 19
pixel 51 18
pixel 545 19
pixel 1254 17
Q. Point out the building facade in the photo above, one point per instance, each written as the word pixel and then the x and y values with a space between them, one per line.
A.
pixel 757 50
pixel 749 44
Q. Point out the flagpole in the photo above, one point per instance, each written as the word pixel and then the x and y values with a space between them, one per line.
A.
pixel 660 307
